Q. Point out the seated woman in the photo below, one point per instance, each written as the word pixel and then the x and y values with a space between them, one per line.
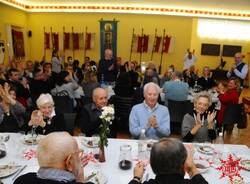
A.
pixel 45 119
pixel 227 97
pixel 90 83
pixel 169 160
pixel 11 111
pixel 66 84
pixel 198 126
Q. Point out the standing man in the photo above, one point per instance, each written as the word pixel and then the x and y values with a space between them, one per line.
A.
pixel 149 116
pixel 239 69
pixel 189 59
pixel 107 68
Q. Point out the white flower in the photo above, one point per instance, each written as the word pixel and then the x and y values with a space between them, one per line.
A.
pixel 107 113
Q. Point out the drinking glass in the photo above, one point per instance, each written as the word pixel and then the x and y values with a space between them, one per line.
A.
pixel 125 158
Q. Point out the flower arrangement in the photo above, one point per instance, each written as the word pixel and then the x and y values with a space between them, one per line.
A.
pixel 107 116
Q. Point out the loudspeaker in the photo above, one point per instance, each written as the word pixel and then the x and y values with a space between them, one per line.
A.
pixel 29 33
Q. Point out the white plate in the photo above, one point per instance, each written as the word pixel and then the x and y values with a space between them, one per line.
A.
pixel 202 165
pixel 97 178
pixel 28 140
pixel 245 163
pixel 7 170
pixel 208 150
pixel 91 142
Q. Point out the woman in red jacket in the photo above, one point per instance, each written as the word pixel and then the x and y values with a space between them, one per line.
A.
pixel 228 96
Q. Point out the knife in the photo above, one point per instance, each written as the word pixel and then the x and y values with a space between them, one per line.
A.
pixel 18 172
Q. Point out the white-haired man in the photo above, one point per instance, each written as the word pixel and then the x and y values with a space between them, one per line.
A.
pixel 60 161
pixel 149 115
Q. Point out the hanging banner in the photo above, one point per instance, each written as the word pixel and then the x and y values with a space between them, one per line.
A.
pixel 55 41
pixel 18 43
pixel 108 31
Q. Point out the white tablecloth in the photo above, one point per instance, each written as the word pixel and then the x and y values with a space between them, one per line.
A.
pixel 110 168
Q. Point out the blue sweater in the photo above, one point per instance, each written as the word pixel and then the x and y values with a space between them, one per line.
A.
pixel 138 120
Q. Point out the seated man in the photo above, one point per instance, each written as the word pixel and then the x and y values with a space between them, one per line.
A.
pixel 59 159
pixel 88 118
pixel 169 161
pixel 175 89
pixel 149 116
pixel 206 81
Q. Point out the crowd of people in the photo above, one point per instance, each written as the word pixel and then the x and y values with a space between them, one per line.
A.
pixel 26 101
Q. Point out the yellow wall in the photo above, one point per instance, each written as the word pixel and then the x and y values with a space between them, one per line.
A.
pixel 14 17
pixel 184 29
pixel 179 27
pixel 214 61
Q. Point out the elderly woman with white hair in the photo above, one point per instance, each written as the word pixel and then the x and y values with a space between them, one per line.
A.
pixel 45 119
pixel 198 126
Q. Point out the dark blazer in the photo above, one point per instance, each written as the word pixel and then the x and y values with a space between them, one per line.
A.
pixel 173 179
pixel 206 83
pixel 32 178
pixel 88 121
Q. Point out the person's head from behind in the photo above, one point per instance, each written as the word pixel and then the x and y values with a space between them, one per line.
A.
pixel 100 97
pixel 54 53
pixel 151 93
pixel 202 101
pixel 108 54
pixel 177 75
pixel 91 76
pixel 63 78
pixel 39 74
pixel 45 104
pixel 59 150
pixel 168 156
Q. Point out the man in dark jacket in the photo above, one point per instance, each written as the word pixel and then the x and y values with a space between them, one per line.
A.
pixel 169 161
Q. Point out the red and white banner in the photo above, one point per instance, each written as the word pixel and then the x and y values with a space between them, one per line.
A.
pixel 66 41
pixel 18 43
pixel 168 44
pixel 75 37
pixel 157 44
pixel 89 41
pixel 47 40
pixel 55 41
pixel 140 43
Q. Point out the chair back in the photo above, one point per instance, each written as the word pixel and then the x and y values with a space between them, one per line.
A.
pixel 63 104
pixel 177 110
pixel 122 106
pixel 69 119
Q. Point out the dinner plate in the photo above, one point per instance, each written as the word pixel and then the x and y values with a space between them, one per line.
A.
pixel 91 142
pixel 205 149
pixel 245 164
pixel 7 170
pixel 201 165
pixel 97 178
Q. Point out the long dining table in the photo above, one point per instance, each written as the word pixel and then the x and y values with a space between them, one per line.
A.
pixel 227 170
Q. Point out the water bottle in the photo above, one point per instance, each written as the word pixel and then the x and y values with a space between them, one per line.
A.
pixel 143 135
pixel 142 145
pixel 102 81
pixel 218 149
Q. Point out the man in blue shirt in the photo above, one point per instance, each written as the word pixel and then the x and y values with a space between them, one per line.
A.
pixel 149 115
pixel 175 89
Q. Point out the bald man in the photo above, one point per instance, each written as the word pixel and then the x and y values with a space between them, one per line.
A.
pixel 60 162
pixel 88 118
pixel 239 69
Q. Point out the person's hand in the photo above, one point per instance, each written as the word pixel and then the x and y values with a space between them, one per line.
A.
pixel 111 67
pixel 139 170
pixel 198 124
pixel 36 119
pixel 210 119
pixel 233 67
pixel 189 165
pixel 152 121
